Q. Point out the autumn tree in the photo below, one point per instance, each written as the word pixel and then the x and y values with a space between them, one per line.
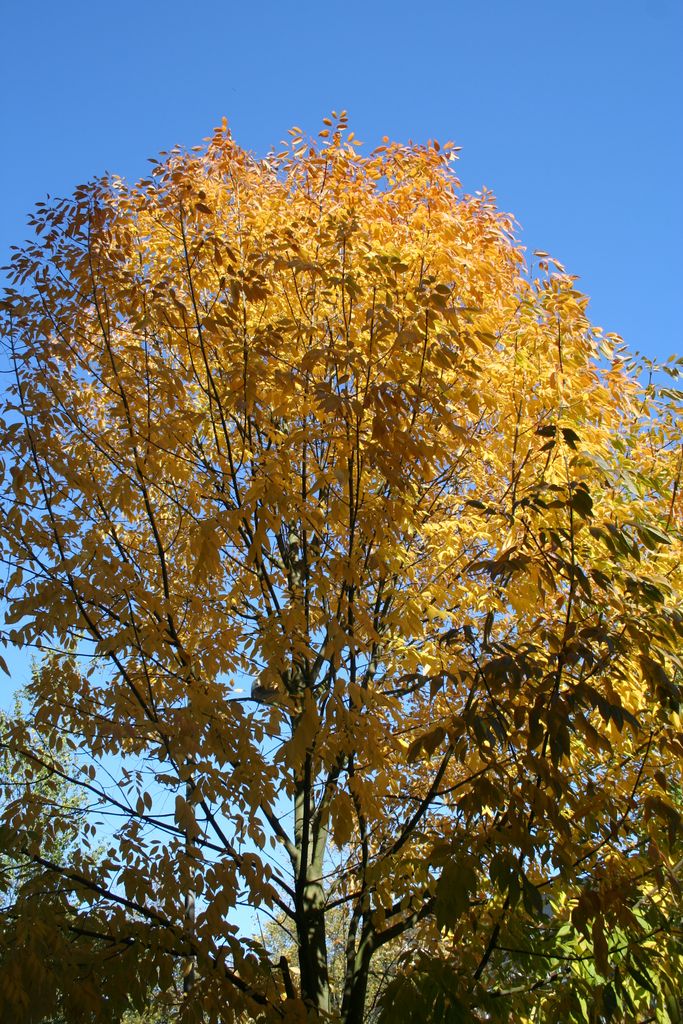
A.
pixel 356 550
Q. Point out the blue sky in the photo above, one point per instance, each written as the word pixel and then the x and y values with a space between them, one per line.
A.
pixel 570 113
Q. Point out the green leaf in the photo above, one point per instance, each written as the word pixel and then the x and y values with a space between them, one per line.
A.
pixel 610 1003
pixel 570 437
pixel 531 898
pixel 641 977
pixel 582 503
pixel 600 947
pixel 651 536
pixel 453 889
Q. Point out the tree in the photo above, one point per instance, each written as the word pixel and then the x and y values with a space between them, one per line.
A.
pixel 369 547
pixel 43 821
pixel 41 816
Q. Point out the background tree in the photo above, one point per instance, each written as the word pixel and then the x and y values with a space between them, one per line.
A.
pixel 41 820
pixel 45 966
pixel 309 425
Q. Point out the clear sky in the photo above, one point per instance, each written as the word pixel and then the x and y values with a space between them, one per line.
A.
pixel 571 113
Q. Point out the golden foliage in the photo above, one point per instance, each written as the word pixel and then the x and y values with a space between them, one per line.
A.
pixel 311 425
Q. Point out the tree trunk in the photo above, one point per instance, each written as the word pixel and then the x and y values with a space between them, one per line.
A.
pixel 190 908
pixel 356 985
pixel 354 1010
pixel 310 923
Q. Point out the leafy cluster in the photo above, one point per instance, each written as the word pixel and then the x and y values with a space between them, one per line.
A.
pixel 369 547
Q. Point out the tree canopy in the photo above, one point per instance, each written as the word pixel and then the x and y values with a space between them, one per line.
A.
pixel 356 548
